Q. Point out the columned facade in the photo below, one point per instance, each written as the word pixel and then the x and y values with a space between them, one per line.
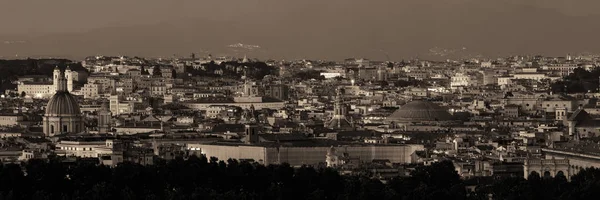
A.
pixel 56 125
pixel 547 168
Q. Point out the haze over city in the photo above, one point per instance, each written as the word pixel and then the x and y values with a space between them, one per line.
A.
pixel 314 29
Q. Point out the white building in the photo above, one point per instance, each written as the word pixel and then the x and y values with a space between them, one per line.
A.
pixel 83 149
pixel 91 91
pixel 305 155
pixel 459 80
pixel 118 107
pixel 46 90
pixel 505 80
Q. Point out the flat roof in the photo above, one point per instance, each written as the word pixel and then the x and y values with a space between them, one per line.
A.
pixel 302 143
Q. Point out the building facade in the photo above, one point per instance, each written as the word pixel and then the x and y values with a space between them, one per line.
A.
pixel 309 155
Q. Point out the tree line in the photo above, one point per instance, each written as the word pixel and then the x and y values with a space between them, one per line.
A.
pixel 202 178
pixel 580 81
pixel 234 69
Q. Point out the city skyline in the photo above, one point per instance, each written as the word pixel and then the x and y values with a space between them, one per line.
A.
pixel 305 99
pixel 490 124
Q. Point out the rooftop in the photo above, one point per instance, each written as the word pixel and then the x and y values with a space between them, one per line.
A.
pixel 302 143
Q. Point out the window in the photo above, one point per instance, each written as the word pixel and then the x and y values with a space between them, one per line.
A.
pixel 51 128
pixel 65 128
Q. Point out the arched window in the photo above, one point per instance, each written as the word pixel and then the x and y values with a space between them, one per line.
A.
pixel 534 175
pixel 560 175
pixel 547 174
pixel 51 128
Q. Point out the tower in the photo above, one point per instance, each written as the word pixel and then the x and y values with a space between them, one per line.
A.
pixel 252 114
pixel 251 127
pixel 104 119
pixel 69 77
pixel 251 133
pixel 56 78
pixel 340 110
pixel 381 74
pixel 114 104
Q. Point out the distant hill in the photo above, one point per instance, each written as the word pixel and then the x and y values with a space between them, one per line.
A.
pixel 336 31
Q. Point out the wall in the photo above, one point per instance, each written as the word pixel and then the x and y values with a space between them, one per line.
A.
pixel 297 156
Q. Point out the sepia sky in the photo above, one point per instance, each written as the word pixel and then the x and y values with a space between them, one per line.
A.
pixel 376 24
pixel 42 16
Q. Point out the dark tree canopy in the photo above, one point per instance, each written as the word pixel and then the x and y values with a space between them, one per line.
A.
pixel 144 71
pixel 203 178
pixel 156 71
pixel 235 70
pixel 309 74
pixel 580 81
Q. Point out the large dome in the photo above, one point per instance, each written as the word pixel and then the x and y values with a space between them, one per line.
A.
pixel 418 111
pixel 62 104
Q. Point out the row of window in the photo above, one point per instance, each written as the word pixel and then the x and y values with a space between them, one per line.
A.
pixel 548 105
pixel 76 149
pixel 65 128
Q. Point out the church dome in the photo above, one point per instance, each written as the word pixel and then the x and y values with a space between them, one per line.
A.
pixel 62 104
pixel 418 111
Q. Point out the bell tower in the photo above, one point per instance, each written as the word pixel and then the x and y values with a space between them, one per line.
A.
pixel 340 110
pixel 69 77
pixel 104 119
pixel 56 78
